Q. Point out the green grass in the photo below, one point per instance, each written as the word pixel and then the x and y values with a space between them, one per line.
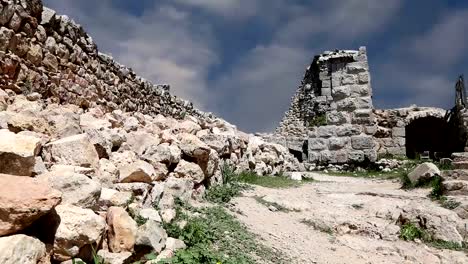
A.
pixel 234 184
pixel 274 182
pixel 214 236
pixel 411 232
pixel 448 203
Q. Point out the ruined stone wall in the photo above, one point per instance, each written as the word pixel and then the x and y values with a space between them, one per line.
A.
pixel 43 52
pixel 331 112
pixel 390 136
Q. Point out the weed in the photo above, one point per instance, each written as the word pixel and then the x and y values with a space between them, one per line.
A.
pixel 214 236
pixel 405 181
pixel 221 194
pixel 448 203
pixel 410 232
pixel 316 226
pixel 437 187
pixel 276 182
pixel 140 220
pixel 319 120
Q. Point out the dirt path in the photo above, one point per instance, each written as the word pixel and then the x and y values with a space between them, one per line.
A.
pixel 340 220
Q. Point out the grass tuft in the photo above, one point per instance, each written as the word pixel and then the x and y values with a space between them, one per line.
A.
pixel 214 236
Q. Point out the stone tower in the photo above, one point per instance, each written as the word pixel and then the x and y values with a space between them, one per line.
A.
pixel 330 119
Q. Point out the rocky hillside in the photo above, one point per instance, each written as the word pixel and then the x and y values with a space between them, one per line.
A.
pixel 87 148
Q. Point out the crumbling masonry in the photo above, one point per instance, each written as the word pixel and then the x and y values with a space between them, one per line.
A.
pixel 332 120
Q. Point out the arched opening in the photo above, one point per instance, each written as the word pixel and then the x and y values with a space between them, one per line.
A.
pixel 433 135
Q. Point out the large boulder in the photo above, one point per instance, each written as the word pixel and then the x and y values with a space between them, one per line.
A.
pixel 189 170
pixel 23 200
pixel 74 150
pixel 122 230
pixel 78 227
pixel 165 153
pixel 77 189
pixel 138 171
pixel 193 147
pixel 151 234
pixel 423 172
pixel 139 141
pixel 22 249
pixel 18 153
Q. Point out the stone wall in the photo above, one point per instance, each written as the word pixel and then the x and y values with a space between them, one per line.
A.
pixel 47 53
pixel 331 117
pixel 390 136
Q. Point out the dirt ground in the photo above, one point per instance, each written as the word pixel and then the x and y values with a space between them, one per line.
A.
pixel 340 220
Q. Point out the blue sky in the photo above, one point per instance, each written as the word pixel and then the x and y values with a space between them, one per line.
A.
pixel 243 59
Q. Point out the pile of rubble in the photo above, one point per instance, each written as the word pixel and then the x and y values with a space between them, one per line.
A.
pixel 73 180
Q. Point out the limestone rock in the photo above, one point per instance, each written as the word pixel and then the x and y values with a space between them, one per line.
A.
pixel 138 171
pixel 165 153
pixel 151 234
pixel 114 258
pixel 193 146
pixel 74 150
pixel 189 170
pixel 174 244
pixel 111 197
pixel 77 189
pixel 22 249
pixel 424 171
pixel 150 214
pixel 122 230
pixel 140 141
pixel 178 188
pixel 78 228
pixel 18 153
pixel 22 201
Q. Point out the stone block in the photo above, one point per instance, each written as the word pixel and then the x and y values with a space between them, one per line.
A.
pixel 359 90
pixel 317 144
pixel 370 130
pixel 338 143
pixel 363 77
pixel 326 84
pixel 362 142
pixel 326 91
pixel 348 79
pixel 326 131
pixel 327 157
pixel 338 118
pixel 336 80
pixel 397 150
pixel 400 141
pixel 341 157
pixel 356 67
pixel 314 157
pixel 348 130
pixel 347 104
pixel 398 132
pixel 364 102
pixel 371 155
pixel 340 92
pixel 356 156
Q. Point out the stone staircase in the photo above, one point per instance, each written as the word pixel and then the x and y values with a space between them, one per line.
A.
pixel 455 183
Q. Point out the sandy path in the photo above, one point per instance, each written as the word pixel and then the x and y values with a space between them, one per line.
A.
pixel 340 220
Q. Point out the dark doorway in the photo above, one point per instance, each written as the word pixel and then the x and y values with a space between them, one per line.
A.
pixel 432 134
